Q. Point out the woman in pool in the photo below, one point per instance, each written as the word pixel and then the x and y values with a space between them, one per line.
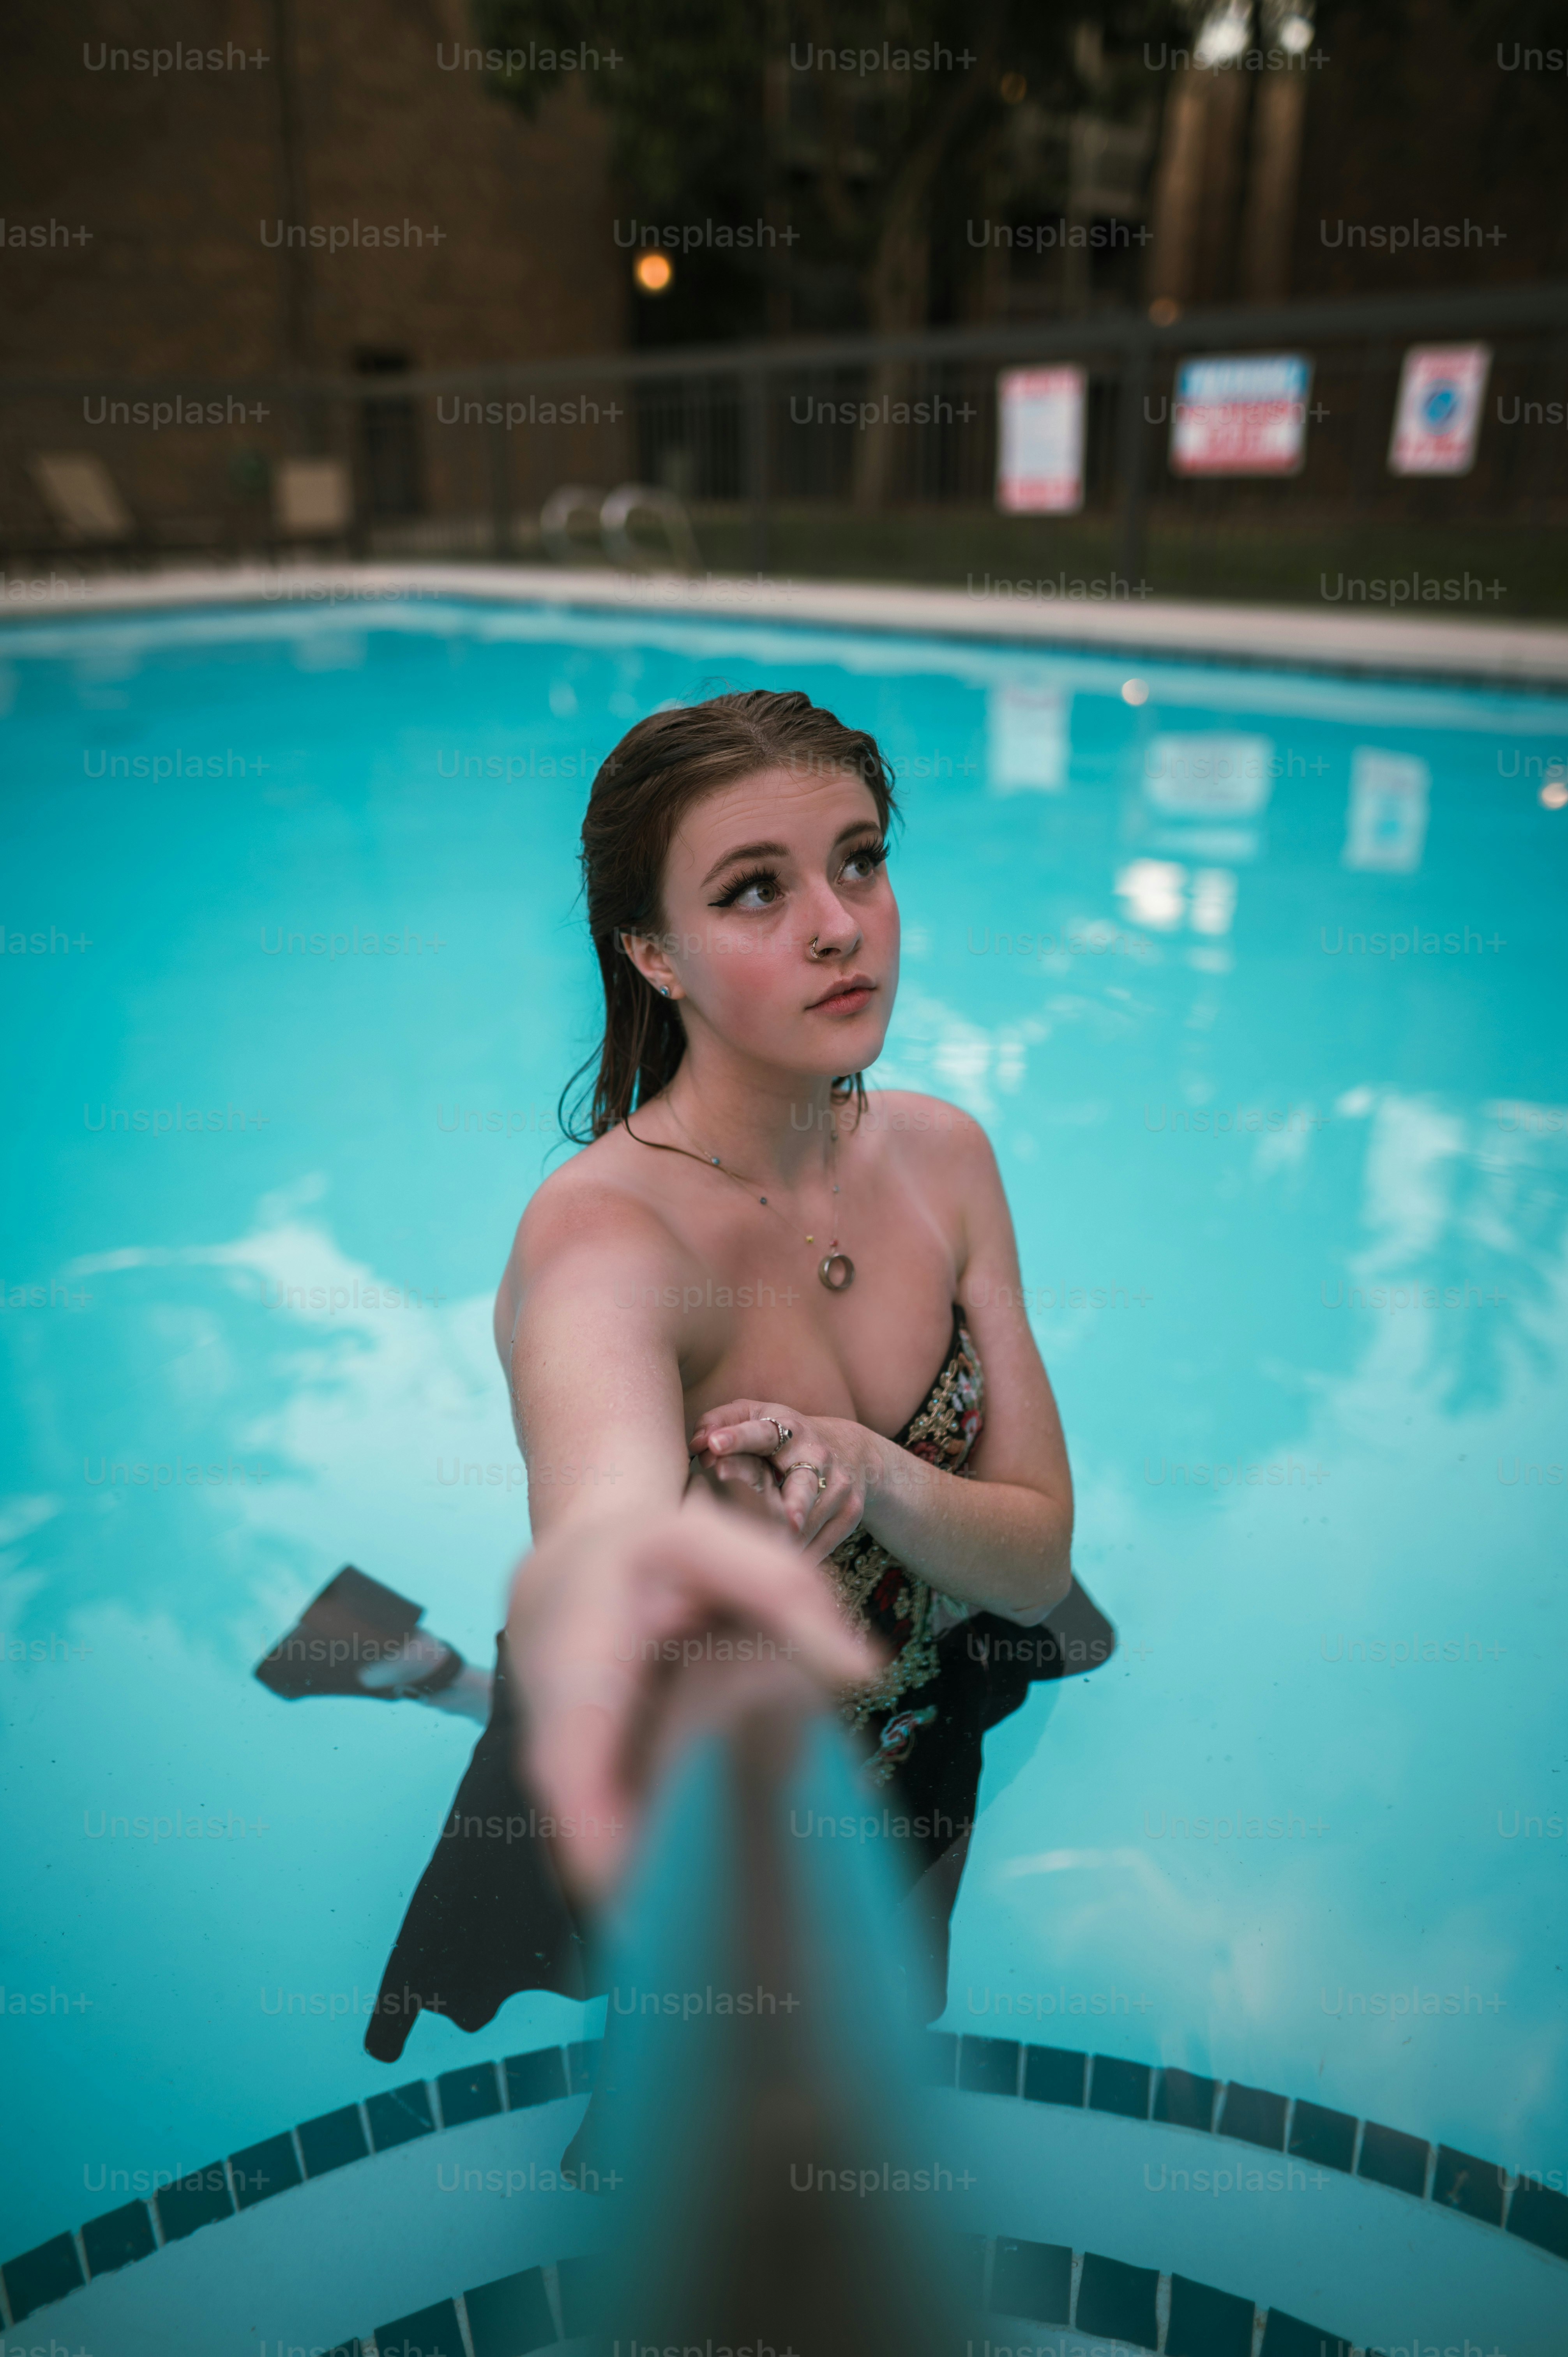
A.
pixel 757 1282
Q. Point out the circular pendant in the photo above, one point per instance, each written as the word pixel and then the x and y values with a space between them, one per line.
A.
pixel 837 1271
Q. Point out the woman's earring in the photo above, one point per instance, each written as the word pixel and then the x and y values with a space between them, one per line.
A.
pixel 664 990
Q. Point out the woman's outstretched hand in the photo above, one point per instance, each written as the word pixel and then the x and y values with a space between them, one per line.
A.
pixel 827 1467
pixel 629 1634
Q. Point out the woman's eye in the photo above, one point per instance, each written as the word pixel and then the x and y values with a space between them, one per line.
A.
pixel 866 863
pixel 751 893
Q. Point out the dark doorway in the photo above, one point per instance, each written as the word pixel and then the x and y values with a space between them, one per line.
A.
pixel 389 441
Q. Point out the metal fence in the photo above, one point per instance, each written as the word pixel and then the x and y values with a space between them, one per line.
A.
pixel 854 456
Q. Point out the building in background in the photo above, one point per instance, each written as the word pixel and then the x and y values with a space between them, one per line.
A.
pixel 302 218
pixel 259 190
pixel 1357 157
pixel 1266 157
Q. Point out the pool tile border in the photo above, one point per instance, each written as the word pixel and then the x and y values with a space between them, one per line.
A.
pixel 312 2148
pixel 1446 2178
pixel 1033 2283
pixel 1008 2069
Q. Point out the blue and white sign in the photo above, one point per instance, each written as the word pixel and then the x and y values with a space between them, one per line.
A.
pixel 1438 419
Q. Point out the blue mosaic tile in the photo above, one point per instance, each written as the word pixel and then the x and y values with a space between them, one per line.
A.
pixel 332 2141
pixel 1053 2074
pixel 510 2318
pixel 264 2170
pixel 399 2115
pixel 1286 2336
pixel 1390 2157
pixel 1467 2184
pixel 117 2238
pixel 538 2078
pixel 1118 2300
pixel 1254 2117
pixel 989 2066
pixel 471 2093
pixel 198 2199
pixel 1536 2214
pixel 1184 2101
pixel 429 2332
pixel 1032 2280
pixel 1208 2324
pixel 41 2276
pixel 1326 2138
pixel 1117 2086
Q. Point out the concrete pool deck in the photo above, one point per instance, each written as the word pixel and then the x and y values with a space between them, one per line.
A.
pixel 1361 639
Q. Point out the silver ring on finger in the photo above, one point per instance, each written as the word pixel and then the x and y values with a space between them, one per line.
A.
pixel 785 1431
pixel 803 1465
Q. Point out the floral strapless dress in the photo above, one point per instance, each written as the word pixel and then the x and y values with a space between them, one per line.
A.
pixel 488 1917
pixel 880 1596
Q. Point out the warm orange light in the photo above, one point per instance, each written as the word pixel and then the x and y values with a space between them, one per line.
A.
pixel 1554 794
pixel 653 272
pixel 1014 89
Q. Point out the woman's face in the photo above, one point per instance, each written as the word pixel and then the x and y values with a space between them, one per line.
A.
pixel 758 872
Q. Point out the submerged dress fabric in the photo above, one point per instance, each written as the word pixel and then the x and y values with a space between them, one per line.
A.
pixel 488 1917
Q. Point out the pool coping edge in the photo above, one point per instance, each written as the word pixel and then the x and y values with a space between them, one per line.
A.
pixel 1292 638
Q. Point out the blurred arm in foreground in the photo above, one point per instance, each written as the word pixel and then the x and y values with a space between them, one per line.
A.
pixel 675 1679
pixel 632 1633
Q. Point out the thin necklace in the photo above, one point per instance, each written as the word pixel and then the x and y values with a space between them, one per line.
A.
pixel 835 1269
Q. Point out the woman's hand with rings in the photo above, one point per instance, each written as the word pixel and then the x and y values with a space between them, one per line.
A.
pixel 741 1478
pixel 827 1468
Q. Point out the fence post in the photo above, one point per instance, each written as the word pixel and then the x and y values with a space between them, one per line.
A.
pixel 1133 450
pixel 754 403
pixel 350 440
pixel 500 475
pixel 1545 449
pixel 1370 438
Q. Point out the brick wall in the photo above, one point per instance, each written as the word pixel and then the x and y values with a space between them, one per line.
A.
pixel 174 175
pixel 452 232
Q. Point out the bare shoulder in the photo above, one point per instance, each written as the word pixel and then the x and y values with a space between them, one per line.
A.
pixel 586 1199
pixel 947 1156
pixel 940 1137
pixel 589 1210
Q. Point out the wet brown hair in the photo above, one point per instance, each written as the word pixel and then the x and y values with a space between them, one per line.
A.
pixel 637 803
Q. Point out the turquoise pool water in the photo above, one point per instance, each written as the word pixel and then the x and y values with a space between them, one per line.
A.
pixel 1256 981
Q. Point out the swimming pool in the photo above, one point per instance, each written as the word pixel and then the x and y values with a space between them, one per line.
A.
pixel 1249 974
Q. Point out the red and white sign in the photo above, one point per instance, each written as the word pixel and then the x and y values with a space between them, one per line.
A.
pixel 1437 422
pixel 1040 467
pixel 1244 416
